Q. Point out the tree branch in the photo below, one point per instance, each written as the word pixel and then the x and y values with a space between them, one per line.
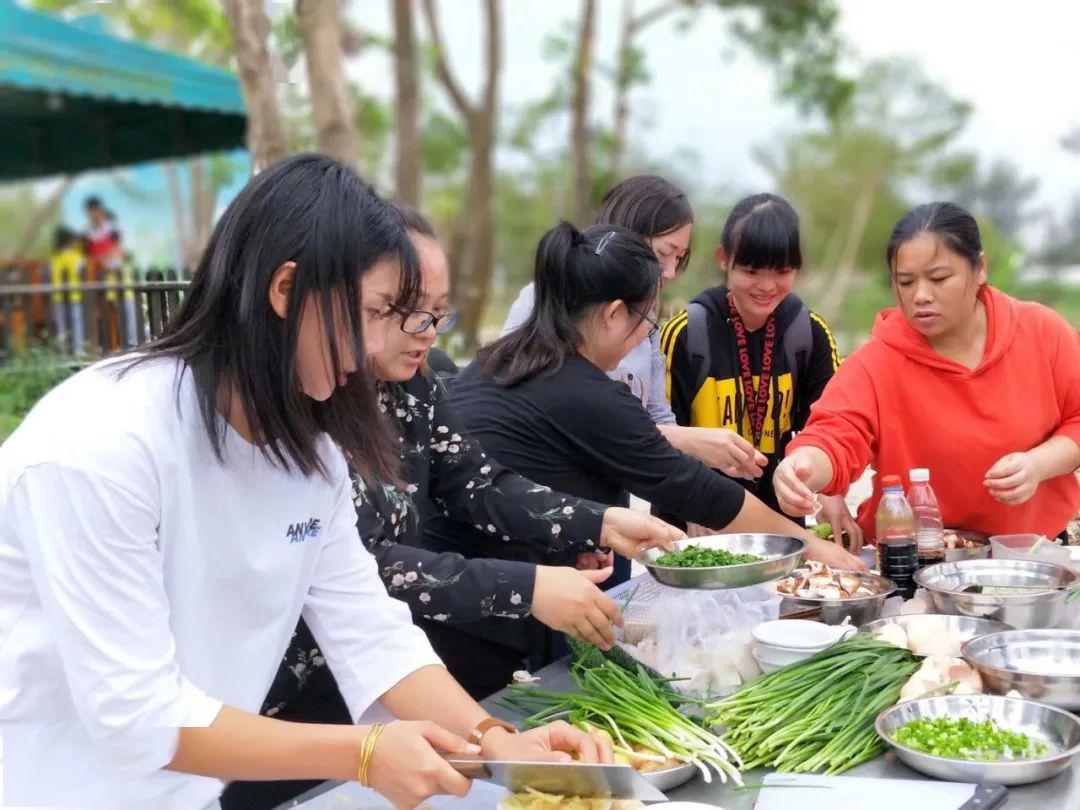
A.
pixel 442 67
pixel 494 53
pixel 656 13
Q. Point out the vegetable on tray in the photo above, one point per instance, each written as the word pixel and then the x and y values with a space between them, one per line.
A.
pixel 638 712
pixel 961 738
pixel 700 557
pixel 816 714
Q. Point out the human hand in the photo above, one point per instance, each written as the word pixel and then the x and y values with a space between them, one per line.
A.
pixel 789 482
pixel 835 511
pixel 554 742
pixel 407 768
pixel 1013 479
pixel 629 532
pixel 727 451
pixel 569 601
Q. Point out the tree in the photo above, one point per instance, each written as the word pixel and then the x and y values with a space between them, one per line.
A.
pixel 1001 195
pixel 320 27
pixel 579 113
pixel 630 69
pixel 407 164
pixel 847 178
pixel 250 27
pixel 473 241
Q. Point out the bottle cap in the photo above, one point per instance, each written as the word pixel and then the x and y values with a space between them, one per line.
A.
pixel 890 482
pixel 919 474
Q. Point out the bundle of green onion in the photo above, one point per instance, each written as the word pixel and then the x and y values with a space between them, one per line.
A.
pixel 817 714
pixel 635 709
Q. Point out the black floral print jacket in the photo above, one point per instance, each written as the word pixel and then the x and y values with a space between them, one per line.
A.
pixel 446 472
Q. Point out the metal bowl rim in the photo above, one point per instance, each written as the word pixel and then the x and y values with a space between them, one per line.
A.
pixel 1004 627
pixel 736 566
pixel 1071 580
pixel 1068 753
pixel 1042 632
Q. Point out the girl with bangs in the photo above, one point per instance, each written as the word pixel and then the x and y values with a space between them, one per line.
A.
pixel 153 566
pixel 747 355
pixel 541 401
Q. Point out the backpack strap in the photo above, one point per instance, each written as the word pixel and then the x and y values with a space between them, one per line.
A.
pixel 697 341
pixel 798 344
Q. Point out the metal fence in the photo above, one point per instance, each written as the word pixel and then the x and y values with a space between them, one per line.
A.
pixel 100 311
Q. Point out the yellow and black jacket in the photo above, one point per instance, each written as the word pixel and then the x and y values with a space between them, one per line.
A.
pixel 713 397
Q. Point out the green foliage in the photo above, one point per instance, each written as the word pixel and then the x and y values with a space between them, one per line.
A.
pixel 198 28
pixel 798 39
pixel 17 205
pixel 24 381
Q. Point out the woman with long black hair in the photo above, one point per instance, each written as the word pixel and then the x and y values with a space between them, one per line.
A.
pixel 540 400
pixel 153 566
pixel 445 471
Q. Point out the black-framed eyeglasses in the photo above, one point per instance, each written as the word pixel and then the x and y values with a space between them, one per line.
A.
pixel 654 325
pixel 416 321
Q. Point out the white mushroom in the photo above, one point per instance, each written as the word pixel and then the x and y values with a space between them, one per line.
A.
pixel 894 634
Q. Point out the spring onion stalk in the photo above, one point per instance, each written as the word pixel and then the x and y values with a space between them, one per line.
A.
pixel 817 714
pixel 635 709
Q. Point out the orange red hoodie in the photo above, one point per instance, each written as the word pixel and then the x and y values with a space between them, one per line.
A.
pixel 896 404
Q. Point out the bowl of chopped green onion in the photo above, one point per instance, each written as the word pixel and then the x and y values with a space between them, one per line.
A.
pixel 981 738
pixel 725 561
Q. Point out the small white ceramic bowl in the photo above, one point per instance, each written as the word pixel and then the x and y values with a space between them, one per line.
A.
pixel 785 641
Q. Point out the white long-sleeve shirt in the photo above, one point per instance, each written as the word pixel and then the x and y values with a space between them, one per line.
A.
pixel 143 584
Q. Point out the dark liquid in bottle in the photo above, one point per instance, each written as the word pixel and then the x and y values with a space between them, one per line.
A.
pixel 898 559
pixel 931 559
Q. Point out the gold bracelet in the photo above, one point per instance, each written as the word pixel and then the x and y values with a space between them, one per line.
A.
pixel 369 740
pixel 367 748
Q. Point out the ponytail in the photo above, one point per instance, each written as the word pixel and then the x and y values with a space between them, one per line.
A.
pixel 575 272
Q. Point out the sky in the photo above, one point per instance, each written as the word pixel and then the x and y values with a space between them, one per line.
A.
pixel 708 105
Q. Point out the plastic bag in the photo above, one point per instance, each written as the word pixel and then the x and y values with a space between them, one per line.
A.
pixel 704 637
pixel 1033 547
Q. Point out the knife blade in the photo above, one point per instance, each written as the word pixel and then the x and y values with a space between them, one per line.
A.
pixel 582 779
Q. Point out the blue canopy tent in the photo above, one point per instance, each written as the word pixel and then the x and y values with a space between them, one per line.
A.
pixel 74 97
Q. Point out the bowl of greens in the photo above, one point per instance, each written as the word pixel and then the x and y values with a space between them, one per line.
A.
pixel 724 561
pixel 981 738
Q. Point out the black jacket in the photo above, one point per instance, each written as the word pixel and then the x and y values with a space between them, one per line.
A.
pixel 719 400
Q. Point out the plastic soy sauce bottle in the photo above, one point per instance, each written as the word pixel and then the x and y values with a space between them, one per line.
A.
pixel 897 549
pixel 929 528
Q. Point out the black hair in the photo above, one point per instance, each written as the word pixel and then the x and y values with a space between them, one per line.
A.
pixel 575 272
pixel 647 205
pixel 316 212
pixel 413 219
pixel 952 225
pixel 64 236
pixel 93 202
pixel 762 233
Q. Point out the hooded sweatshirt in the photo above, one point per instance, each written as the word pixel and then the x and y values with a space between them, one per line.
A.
pixel 897 404
pixel 718 402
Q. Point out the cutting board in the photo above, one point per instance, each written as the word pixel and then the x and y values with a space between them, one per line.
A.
pixel 833 792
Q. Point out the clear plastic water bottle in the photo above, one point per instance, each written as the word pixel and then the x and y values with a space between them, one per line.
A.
pixel 929 528
pixel 897 549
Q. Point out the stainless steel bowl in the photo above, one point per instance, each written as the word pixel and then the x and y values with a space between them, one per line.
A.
pixel 980 552
pixel 1041 665
pixel 964 627
pixel 781 554
pixel 945 582
pixel 857 609
pixel 1047 724
pixel 671 778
